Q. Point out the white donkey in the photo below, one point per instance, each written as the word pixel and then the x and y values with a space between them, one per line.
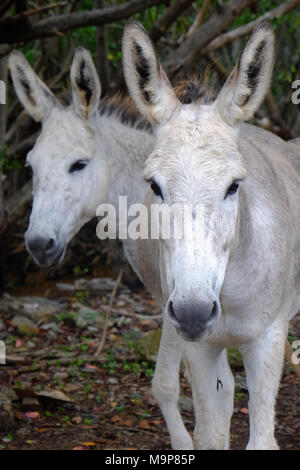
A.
pixel 88 153
pixel 239 286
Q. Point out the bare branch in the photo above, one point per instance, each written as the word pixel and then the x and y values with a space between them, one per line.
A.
pixel 238 33
pixel 4 22
pixel 112 298
pixel 199 18
pixel 5 6
pixel 168 18
pixel 191 48
pixel 56 25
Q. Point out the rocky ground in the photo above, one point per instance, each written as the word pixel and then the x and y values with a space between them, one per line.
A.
pixel 57 393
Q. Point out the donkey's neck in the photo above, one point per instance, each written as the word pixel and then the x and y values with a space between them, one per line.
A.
pixel 124 149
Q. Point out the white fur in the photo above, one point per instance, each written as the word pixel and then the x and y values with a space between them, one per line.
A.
pixel 63 202
pixel 247 259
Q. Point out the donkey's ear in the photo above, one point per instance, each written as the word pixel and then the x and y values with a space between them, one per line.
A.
pixel 85 83
pixel 250 79
pixel 34 95
pixel 146 80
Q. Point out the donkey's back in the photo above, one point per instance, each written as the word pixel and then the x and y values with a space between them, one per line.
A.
pixel 274 166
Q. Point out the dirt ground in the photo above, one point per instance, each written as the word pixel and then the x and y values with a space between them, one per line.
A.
pixel 104 402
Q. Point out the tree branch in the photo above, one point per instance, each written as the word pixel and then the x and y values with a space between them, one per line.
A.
pixel 199 18
pixel 192 47
pixel 241 31
pixel 4 22
pixel 168 18
pixel 58 24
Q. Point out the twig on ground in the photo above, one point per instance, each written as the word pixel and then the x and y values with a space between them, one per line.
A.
pixel 113 295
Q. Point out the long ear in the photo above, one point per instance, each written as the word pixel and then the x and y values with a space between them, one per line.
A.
pixel 34 95
pixel 85 83
pixel 250 79
pixel 145 77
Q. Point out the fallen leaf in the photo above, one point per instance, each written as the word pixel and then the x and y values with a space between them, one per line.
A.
pixel 145 424
pixel 115 419
pixel 87 444
pixel 127 422
pixel 78 448
pixel 54 395
pixel 156 422
pixel 244 411
pixel 77 419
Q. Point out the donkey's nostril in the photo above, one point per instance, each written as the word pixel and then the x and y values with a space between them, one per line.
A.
pixel 193 318
pixel 50 244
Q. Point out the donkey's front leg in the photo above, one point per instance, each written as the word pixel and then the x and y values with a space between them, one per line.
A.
pixel 263 360
pixel 165 386
pixel 213 388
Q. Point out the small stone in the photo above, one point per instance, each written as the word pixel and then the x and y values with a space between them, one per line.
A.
pixel 149 344
pixel 51 326
pixel 88 316
pixel 61 375
pixel 113 381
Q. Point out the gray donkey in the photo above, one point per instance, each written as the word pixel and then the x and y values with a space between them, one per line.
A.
pixel 236 283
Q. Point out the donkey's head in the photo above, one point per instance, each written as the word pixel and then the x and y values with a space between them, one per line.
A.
pixel 67 181
pixel 196 162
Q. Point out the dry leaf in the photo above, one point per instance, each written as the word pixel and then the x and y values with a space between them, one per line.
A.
pixel 145 424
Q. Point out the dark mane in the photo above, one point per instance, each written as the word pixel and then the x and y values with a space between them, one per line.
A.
pixel 124 109
pixel 195 90
pixel 117 106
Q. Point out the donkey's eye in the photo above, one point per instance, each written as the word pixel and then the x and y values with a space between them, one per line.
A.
pixel 77 166
pixel 232 189
pixel 156 189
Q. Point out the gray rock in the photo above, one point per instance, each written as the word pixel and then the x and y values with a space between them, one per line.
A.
pixel 149 344
pixel 88 316
pixel 35 308
pixel 24 326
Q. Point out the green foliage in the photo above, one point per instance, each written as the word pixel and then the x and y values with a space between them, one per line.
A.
pixel 8 164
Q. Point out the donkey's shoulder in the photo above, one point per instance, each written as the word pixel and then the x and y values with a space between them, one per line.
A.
pixel 262 147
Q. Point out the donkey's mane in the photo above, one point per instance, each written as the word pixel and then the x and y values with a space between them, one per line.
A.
pixel 123 108
pixel 195 89
pixel 190 90
pixel 117 106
